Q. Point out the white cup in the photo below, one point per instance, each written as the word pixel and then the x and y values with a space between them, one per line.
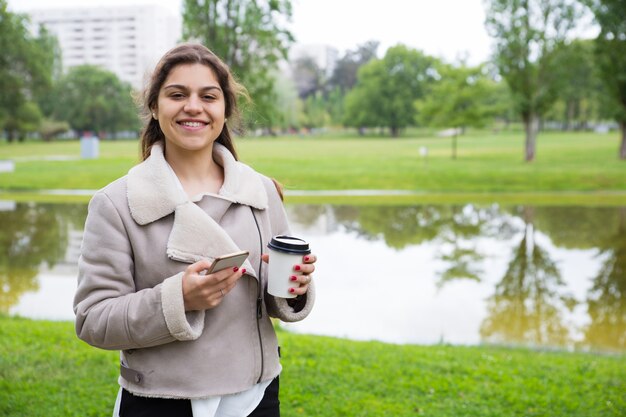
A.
pixel 285 253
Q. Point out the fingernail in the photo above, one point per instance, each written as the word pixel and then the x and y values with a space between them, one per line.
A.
pixel 294 278
pixel 291 290
pixel 306 259
pixel 297 267
pixel 243 271
pixel 235 269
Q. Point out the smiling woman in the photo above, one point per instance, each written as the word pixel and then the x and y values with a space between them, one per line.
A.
pixel 146 285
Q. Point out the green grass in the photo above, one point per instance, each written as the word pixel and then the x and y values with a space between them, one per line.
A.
pixel 46 371
pixel 582 166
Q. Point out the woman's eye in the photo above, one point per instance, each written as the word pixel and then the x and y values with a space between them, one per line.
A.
pixel 209 98
pixel 177 95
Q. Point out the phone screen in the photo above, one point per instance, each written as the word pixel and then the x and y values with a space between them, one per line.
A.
pixel 228 261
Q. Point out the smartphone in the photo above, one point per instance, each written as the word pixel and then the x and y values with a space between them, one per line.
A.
pixel 228 261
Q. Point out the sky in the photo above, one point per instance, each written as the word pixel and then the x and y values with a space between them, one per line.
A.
pixel 448 29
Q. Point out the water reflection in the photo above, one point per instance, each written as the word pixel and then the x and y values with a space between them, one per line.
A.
pixel 32 236
pixel 528 302
pixel 531 302
pixel 541 276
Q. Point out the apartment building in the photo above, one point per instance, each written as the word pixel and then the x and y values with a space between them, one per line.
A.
pixel 127 41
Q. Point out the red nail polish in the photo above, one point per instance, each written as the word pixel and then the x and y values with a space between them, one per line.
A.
pixel 235 269
pixel 294 278
pixel 291 290
pixel 243 271
pixel 306 259
pixel 297 268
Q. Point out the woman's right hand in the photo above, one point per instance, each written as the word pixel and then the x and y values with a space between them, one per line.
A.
pixel 203 292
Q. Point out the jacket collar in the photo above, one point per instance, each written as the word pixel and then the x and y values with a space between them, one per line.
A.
pixel 153 194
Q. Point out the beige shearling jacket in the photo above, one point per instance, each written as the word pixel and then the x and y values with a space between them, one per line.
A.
pixel 140 234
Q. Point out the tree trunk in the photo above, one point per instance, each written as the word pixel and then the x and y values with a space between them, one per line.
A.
pixel 622 148
pixel 395 131
pixel 531 124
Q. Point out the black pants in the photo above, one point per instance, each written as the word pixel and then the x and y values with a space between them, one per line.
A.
pixel 134 406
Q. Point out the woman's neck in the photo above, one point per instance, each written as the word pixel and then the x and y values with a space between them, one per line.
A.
pixel 196 171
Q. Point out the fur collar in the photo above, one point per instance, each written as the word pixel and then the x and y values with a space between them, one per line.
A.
pixel 153 194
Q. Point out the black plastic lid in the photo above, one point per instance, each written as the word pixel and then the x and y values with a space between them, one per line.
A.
pixel 289 244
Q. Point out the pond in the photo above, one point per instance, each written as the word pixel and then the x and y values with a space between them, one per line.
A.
pixel 546 277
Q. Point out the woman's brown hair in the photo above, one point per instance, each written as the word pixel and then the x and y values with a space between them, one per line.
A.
pixel 189 53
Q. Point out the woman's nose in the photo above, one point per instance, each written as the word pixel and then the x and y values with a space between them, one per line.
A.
pixel 193 104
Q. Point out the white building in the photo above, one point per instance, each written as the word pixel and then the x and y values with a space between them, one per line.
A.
pixel 127 41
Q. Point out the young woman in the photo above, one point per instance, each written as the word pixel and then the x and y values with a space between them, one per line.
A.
pixel 191 343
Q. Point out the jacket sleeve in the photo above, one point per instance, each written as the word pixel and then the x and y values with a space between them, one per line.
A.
pixel 281 308
pixel 110 313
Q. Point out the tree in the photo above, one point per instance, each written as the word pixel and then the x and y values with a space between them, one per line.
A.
pixel 578 83
pixel 344 74
pixel 94 99
pixel 387 88
pixel 307 76
pixel 313 112
pixel 250 37
pixel 610 47
pixel 25 119
pixel 526 34
pixel 25 72
pixel 463 97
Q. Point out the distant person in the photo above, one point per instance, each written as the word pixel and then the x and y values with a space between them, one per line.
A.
pixel 192 344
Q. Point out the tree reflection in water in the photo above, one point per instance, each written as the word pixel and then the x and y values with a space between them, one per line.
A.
pixel 607 297
pixel 32 235
pixel 528 302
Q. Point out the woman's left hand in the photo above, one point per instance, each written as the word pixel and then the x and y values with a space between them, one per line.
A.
pixel 302 273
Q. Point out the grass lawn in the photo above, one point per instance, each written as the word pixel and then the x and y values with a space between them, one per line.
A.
pixel 46 371
pixel 579 166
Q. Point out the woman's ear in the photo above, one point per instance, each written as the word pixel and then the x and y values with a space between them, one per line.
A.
pixel 154 115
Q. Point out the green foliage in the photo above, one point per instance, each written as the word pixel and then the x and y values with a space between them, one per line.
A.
pixel 463 97
pixel 611 57
pixel 251 38
pixel 26 70
pixel 94 99
pixel 25 119
pixel 48 372
pixel 387 88
pixel 580 90
pixel 526 34
pixel 313 112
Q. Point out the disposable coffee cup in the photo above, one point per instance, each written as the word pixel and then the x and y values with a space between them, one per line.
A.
pixel 285 253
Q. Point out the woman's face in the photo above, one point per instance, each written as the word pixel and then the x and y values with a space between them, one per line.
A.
pixel 191 108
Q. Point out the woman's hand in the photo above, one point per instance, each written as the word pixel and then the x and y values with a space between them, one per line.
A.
pixel 203 292
pixel 302 273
